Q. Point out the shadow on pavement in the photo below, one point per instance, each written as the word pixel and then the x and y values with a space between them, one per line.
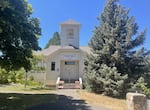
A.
pixel 63 103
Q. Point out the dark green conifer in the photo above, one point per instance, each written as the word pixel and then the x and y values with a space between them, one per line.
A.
pixel 55 40
pixel 116 51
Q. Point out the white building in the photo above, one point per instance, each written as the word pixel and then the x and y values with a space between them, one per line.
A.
pixel 65 63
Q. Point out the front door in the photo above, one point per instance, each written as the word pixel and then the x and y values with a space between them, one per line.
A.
pixel 69 70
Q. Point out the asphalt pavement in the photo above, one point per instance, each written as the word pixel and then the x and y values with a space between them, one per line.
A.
pixel 68 99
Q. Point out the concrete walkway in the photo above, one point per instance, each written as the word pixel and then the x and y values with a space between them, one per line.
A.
pixel 68 99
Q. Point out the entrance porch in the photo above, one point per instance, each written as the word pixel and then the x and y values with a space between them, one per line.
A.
pixel 69 74
pixel 69 70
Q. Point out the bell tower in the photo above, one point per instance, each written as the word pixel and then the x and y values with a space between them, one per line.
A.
pixel 69 33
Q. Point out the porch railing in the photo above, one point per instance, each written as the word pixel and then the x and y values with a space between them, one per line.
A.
pixel 80 80
pixel 61 84
pixel 57 82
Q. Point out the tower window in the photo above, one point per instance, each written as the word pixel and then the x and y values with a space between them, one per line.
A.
pixel 52 66
pixel 70 33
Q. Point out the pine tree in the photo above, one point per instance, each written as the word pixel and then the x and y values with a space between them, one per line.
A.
pixel 114 44
pixel 55 40
pixel 146 75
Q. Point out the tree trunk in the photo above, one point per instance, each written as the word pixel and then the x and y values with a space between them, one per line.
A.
pixel 26 76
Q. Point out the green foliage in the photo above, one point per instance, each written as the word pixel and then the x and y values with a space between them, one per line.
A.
pixel 31 78
pixel 55 40
pixel 138 85
pixel 106 81
pixel 141 86
pixel 3 76
pixel 18 34
pixel 114 43
pixel 34 83
pixel 16 76
pixel 146 75
pixel 11 76
pixel 38 63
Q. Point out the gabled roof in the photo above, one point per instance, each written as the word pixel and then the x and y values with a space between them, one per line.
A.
pixel 86 49
pixel 49 50
pixel 53 49
pixel 70 22
pixel 68 47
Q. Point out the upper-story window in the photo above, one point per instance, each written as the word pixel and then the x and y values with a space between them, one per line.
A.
pixel 70 33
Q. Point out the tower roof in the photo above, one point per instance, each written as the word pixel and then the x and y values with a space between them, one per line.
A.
pixel 70 22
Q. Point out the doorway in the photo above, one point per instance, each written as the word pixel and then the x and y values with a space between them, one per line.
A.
pixel 69 71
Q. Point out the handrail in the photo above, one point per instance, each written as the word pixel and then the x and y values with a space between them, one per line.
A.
pixel 58 79
pixel 80 80
pixel 57 82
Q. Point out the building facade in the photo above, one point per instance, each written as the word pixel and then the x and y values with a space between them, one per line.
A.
pixel 65 63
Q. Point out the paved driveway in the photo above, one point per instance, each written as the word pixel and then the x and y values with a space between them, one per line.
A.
pixel 68 99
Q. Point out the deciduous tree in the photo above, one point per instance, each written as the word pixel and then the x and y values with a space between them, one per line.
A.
pixel 19 33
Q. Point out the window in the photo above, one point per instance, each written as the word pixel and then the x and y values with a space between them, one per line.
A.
pixel 70 33
pixel 53 66
pixel 69 63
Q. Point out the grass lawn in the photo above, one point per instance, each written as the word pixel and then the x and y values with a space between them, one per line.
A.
pixel 16 97
pixel 108 102
pixel 20 88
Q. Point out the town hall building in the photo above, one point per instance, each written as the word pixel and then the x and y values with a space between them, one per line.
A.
pixel 65 63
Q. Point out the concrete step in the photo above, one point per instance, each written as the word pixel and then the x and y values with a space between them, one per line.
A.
pixel 69 81
pixel 69 86
pixel 72 84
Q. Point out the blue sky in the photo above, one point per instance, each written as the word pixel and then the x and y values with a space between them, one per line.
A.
pixel 53 12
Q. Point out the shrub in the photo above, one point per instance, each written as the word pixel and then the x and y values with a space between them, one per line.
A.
pixel 106 81
pixel 31 78
pixel 3 76
pixel 141 87
pixel 16 76
pixel 11 76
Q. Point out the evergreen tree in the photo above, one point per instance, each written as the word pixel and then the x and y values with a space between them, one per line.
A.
pixel 146 75
pixel 114 44
pixel 55 40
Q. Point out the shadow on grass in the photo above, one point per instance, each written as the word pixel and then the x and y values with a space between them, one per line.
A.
pixel 19 101
pixel 15 101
